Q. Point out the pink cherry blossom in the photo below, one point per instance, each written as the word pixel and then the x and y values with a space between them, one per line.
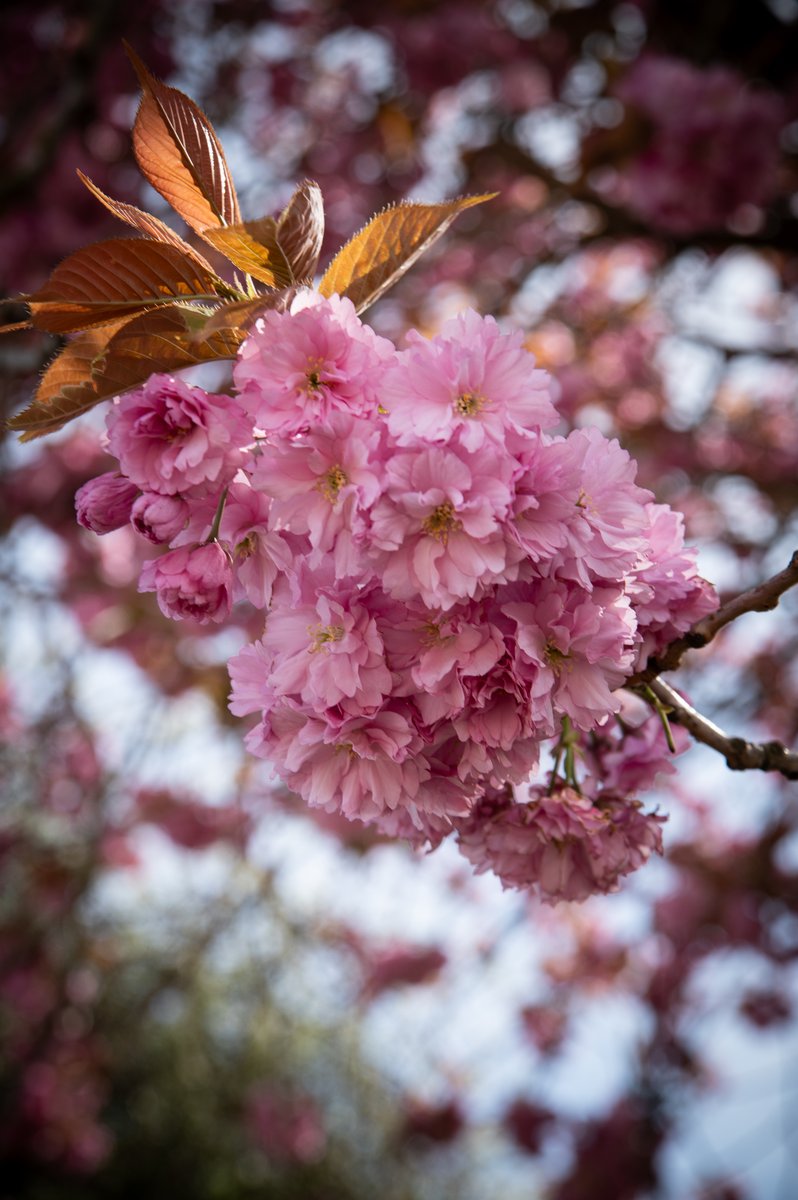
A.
pixel 258 554
pixel 561 844
pixel 159 518
pixel 298 367
pixel 438 530
pixel 471 380
pixel 191 582
pixel 608 527
pixel 362 768
pixel 322 485
pixel 668 593
pixel 170 437
pixel 574 646
pixel 104 504
pixel 327 652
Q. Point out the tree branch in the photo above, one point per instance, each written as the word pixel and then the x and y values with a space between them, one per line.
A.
pixel 762 598
pixel 739 754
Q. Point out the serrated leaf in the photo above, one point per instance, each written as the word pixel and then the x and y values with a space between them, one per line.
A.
pixel 387 246
pixel 240 314
pixel 300 230
pixel 16 326
pixel 94 367
pixel 168 340
pixel 252 246
pixel 67 388
pixel 108 280
pixel 146 223
pixel 179 153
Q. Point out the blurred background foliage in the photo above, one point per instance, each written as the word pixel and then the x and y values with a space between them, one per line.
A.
pixel 183 1005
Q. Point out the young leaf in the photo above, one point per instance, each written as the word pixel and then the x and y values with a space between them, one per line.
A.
pixel 382 251
pixel 252 246
pixel 300 230
pixel 163 341
pixel 101 363
pixel 179 153
pixel 146 223
pixel 109 280
pixel 67 387
pixel 240 314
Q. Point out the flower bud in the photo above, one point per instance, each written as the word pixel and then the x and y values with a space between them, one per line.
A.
pixel 103 504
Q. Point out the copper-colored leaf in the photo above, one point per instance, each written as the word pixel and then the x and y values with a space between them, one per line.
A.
pixel 300 230
pixel 67 387
pixel 146 223
pixel 16 326
pixel 252 246
pixel 168 340
pixel 240 314
pixel 382 251
pixel 95 366
pixel 117 278
pixel 181 156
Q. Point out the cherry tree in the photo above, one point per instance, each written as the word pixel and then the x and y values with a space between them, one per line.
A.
pixel 457 556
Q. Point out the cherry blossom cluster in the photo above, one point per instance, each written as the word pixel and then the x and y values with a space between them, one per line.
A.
pixel 713 146
pixel 451 587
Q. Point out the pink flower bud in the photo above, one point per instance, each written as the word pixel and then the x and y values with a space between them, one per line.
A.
pixel 159 518
pixel 103 504
pixel 191 582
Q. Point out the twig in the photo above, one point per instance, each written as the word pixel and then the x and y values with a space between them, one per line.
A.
pixel 739 754
pixel 762 598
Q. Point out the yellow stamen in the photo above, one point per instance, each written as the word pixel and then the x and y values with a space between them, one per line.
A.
pixel 313 374
pixel 322 635
pixel 556 658
pixel 468 404
pixel 330 484
pixel 441 522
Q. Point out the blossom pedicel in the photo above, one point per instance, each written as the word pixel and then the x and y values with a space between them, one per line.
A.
pixel 451 587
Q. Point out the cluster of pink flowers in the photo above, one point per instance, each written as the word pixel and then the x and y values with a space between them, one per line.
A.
pixel 713 148
pixel 450 586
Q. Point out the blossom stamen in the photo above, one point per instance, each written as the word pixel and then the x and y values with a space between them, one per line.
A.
pixel 468 404
pixel 330 484
pixel 556 658
pixel 322 635
pixel 313 374
pixel 441 521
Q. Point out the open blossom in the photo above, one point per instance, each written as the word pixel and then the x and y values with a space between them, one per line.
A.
pixel 362 768
pixel 297 368
pixel 609 522
pixel 258 554
pixel 327 652
pixel 469 380
pixel 195 583
pixel 573 645
pixel 322 485
pixel 437 531
pixel 668 593
pixel 170 437
pixel 561 843
pixel 104 504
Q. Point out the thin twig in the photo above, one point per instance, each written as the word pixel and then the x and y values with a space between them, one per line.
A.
pixel 762 598
pixel 739 754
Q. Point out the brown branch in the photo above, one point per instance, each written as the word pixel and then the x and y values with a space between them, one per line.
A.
pixel 762 598
pixel 739 754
